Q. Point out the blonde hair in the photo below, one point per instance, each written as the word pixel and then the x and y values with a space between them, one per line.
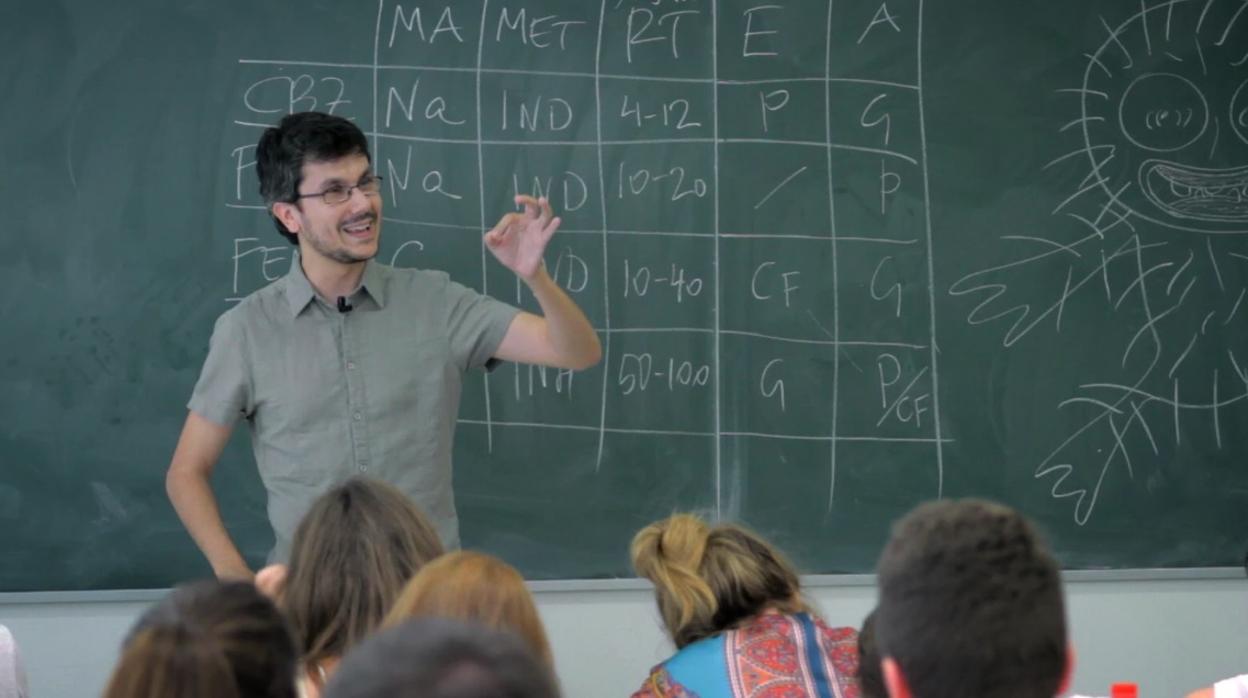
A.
pixel 707 579
pixel 474 586
pixel 351 554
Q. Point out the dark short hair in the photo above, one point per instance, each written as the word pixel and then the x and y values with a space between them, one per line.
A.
pixel 208 638
pixel 971 603
pixel 298 138
pixel 441 658
pixel 870 678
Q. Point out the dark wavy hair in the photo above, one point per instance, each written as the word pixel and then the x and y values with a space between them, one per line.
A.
pixel 298 138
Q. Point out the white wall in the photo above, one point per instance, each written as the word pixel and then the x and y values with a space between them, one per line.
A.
pixel 1170 636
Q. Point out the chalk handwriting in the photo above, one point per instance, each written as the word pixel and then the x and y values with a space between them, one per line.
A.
pixel 750 32
pixel 638 181
pixel 295 93
pixel 775 387
pixel 531 380
pixel 904 406
pixel 638 370
pixel 571 271
pixel 572 187
pixel 435 109
pixel 652 124
pixel 638 281
pixel 673 113
pixel 416 21
pixel 882 16
pixel 551 113
pixel 645 27
pixel 534 32
pixel 764 278
pixel 272 261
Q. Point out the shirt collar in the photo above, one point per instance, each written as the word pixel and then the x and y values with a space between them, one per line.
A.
pixel 373 283
pixel 299 291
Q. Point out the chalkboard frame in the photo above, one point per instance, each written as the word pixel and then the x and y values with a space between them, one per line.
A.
pixel 1175 512
pixel 556 586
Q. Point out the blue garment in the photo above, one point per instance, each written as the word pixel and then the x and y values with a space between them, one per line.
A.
pixel 702 668
pixel 769 655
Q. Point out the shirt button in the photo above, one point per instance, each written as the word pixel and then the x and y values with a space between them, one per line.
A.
pixel 357 416
pixel 350 365
pixel 363 468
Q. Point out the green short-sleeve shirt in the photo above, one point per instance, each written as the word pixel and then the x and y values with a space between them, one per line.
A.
pixel 374 391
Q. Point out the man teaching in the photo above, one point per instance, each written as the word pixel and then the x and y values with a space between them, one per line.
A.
pixel 346 366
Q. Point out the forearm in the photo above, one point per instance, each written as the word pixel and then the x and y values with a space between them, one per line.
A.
pixel 193 500
pixel 571 335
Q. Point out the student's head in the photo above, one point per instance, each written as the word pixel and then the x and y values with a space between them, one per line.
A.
pixel 870 680
pixel 970 604
pixel 326 156
pixel 707 579
pixel 351 554
pixel 475 587
pixel 442 658
pixel 12 671
pixel 208 639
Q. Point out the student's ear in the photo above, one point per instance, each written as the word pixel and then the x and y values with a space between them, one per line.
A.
pixel 1068 672
pixel 894 680
pixel 287 214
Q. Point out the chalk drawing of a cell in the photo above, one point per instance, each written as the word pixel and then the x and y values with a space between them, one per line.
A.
pixel 1166 95
pixel 1156 154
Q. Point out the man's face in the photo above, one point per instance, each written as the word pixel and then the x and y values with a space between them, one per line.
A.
pixel 347 232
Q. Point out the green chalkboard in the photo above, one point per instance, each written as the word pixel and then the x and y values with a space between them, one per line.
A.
pixel 844 257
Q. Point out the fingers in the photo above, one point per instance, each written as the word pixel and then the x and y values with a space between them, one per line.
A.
pixel 502 226
pixel 494 238
pixel 271 580
pixel 551 227
pixel 530 204
pixel 547 214
pixel 535 210
pixel 538 208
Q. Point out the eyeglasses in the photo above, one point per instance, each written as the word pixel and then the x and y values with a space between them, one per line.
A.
pixel 336 194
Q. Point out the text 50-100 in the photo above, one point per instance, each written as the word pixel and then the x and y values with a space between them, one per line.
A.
pixel 637 370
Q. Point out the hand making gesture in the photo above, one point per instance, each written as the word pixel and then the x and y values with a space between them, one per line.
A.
pixel 519 238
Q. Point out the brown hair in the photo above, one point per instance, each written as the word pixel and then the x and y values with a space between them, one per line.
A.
pixel 208 640
pixel 476 587
pixel 707 579
pixel 351 554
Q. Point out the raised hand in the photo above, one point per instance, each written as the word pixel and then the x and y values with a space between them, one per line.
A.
pixel 519 238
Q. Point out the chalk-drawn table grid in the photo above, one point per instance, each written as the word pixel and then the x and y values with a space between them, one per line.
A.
pixel 794 254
